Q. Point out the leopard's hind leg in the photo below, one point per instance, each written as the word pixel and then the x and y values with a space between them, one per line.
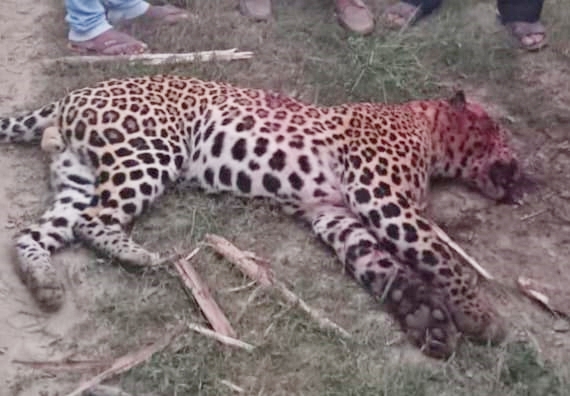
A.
pixel 122 195
pixel 419 308
pixel 104 230
pixel 73 184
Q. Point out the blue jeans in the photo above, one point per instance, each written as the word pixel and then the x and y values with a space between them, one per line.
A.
pixel 87 19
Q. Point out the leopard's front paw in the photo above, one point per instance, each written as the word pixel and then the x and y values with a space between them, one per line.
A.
pixel 480 322
pixel 429 325
pixel 423 315
pixel 46 288
pixel 50 297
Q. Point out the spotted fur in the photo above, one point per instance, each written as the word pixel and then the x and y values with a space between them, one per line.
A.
pixel 359 173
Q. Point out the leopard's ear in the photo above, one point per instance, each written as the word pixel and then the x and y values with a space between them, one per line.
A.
pixel 458 100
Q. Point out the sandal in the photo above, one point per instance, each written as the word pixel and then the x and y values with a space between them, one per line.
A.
pixel 529 36
pixel 355 16
pixel 111 42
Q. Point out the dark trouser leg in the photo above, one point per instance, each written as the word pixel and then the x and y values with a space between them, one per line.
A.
pixel 520 10
pixel 427 6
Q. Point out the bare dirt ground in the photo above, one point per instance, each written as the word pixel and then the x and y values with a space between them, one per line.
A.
pixel 25 332
pixel 109 311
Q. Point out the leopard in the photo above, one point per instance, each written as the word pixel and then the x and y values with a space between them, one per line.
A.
pixel 357 173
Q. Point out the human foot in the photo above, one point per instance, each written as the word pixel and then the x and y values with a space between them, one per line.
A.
pixel 162 14
pixel 110 42
pixel 166 14
pixel 256 9
pixel 530 36
pixel 355 16
pixel 401 14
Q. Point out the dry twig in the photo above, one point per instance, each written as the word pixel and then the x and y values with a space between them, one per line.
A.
pixel 203 297
pixel 454 246
pixel 249 263
pixel 221 338
pixel 156 59
pixel 64 365
pixel 232 386
pixel 258 269
pixel 103 390
pixel 322 321
pixel 129 361
pixel 555 300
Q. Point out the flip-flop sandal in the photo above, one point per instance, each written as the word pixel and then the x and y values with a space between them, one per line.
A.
pixel 355 16
pixel 409 13
pixel 111 42
pixel 521 30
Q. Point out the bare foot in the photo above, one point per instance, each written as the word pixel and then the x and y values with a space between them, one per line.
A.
pixel 166 14
pixel 401 14
pixel 530 36
pixel 256 9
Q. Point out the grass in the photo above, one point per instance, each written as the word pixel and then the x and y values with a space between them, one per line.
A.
pixel 304 53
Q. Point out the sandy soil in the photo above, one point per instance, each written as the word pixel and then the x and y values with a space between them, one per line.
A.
pixel 25 332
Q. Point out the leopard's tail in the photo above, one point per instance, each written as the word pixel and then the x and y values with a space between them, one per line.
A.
pixel 28 127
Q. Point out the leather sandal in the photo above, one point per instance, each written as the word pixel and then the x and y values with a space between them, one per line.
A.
pixel 111 42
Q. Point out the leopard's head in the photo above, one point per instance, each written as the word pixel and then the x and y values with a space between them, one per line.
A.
pixel 483 156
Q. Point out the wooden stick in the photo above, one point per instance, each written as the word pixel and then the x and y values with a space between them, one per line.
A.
pixel 63 365
pixel 129 361
pixel 232 386
pixel 203 297
pixel 221 338
pixel 556 300
pixel 322 321
pixel 470 260
pixel 258 269
pixel 103 390
pixel 255 267
pixel 155 59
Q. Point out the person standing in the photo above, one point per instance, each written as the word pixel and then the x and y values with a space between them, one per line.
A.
pixel 354 15
pixel 91 24
pixel 520 17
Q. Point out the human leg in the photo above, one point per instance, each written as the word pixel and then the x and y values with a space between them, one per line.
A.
pixel 86 19
pixel 522 19
pixel 121 10
pixel 91 32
